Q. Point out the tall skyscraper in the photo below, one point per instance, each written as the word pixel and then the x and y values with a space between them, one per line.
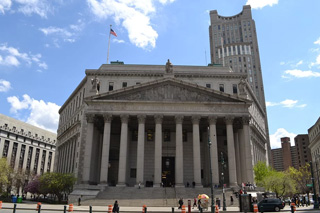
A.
pixel 233 43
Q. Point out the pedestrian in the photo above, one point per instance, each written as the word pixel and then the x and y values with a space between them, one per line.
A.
pixel 194 202
pixel 115 207
pixel 193 184
pixel 180 203
pixel 199 204
pixel 231 200
pixel 79 201
pixel 139 184
pixel 218 202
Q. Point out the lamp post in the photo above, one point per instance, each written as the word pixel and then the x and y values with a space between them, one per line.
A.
pixel 211 184
pixel 222 177
pixel 315 203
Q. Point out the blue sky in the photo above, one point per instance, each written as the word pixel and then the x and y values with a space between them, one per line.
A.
pixel 46 45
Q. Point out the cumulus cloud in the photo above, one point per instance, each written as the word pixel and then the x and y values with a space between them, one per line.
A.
pixel 275 139
pixel 317 41
pixel 5 5
pixel 300 73
pixel 118 40
pixel 288 103
pixel 4 85
pixel 12 57
pixel 259 4
pixel 133 15
pixel 68 34
pixel 41 114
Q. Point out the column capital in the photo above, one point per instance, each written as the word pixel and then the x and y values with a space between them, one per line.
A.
pixel 141 118
pixel 158 119
pixel 212 119
pixel 124 118
pixel 179 119
pixel 229 120
pixel 107 117
pixel 90 118
pixel 195 119
pixel 246 119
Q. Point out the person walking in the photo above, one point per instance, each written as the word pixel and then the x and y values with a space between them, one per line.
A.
pixel 231 200
pixel 194 202
pixel 115 207
pixel 180 203
pixel 79 201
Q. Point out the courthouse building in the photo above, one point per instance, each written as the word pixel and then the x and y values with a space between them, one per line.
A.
pixel 126 125
pixel 26 147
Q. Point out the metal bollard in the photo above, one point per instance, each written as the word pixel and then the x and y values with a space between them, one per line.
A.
pixel 145 209
pixel 14 208
pixel 65 209
pixel 200 210
pixel 39 209
pixel 90 209
pixel 172 209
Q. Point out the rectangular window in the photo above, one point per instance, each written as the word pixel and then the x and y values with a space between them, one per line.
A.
pixel 221 87
pixel 234 89
pixel 166 135
pixel 149 135
pixel 110 86
pixel 133 173
pixel 208 85
pixel 134 136
pixel 124 84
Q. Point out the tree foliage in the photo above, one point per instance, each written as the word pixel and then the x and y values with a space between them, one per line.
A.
pixel 261 170
pixel 279 183
pixel 301 177
pixel 57 184
pixel 5 176
pixel 33 186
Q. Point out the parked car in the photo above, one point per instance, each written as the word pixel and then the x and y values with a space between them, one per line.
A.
pixel 270 204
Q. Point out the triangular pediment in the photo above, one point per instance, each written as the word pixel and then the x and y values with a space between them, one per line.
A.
pixel 168 90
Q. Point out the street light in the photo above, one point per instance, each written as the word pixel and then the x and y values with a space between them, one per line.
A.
pixel 211 184
pixel 222 177
pixel 315 199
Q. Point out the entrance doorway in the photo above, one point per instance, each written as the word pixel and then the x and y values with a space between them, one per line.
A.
pixel 168 169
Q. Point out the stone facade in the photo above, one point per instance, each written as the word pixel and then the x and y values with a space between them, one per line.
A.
pixel 314 145
pixel 146 126
pixel 26 147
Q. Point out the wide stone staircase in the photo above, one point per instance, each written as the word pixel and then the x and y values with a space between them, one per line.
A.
pixel 167 196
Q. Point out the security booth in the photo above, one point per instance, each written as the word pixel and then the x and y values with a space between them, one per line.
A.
pixel 245 203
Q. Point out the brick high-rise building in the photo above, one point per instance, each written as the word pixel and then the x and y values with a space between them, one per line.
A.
pixel 284 157
pixel 303 151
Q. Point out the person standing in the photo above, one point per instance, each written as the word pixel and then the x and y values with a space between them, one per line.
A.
pixel 115 207
pixel 231 200
pixel 79 200
pixel 194 202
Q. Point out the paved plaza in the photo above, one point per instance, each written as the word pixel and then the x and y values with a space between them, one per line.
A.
pixel 47 208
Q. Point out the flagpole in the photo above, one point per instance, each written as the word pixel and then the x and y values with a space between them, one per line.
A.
pixel 109 44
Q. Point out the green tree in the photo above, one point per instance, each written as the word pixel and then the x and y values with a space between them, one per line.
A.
pixel 5 176
pixel 280 183
pixel 302 177
pixel 57 184
pixel 261 170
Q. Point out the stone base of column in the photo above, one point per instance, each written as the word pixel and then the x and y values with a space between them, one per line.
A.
pixel 121 185
pixel 137 186
pixel 179 185
pixel 156 185
pixel 103 186
pixel 198 185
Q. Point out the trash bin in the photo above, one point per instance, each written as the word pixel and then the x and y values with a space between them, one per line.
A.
pixel 19 200
pixel 14 199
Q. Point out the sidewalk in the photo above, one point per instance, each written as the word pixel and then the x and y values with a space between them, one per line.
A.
pixel 25 207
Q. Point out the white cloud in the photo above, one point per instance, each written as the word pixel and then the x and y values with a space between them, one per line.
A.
pixel 117 40
pixel 13 56
pixel 29 7
pixel 64 34
pixel 41 114
pixel 301 74
pixel 259 4
pixel 275 139
pixel 5 5
pixel 317 41
pixel 288 103
pixel 133 15
pixel 4 85
pixel 299 63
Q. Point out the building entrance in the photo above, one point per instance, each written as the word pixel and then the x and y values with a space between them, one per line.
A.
pixel 168 168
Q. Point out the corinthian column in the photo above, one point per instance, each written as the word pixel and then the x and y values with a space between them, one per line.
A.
pixel 88 149
pixel 158 151
pixel 196 151
pixel 105 149
pixel 214 150
pixel 179 152
pixel 123 151
pixel 248 149
pixel 231 152
pixel 140 149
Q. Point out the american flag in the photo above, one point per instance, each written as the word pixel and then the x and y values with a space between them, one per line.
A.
pixel 113 32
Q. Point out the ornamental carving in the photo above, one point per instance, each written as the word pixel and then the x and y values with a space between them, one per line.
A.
pixel 179 119
pixel 141 119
